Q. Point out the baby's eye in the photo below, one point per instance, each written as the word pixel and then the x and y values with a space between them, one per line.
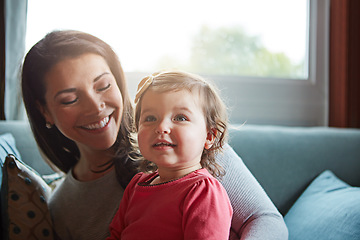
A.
pixel 150 119
pixel 104 88
pixel 180 118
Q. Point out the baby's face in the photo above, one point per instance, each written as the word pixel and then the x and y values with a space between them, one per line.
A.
pixel 172 130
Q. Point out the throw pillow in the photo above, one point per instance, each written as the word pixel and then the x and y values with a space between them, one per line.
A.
pixel 328 209
pixel 24 195
pixel 7 146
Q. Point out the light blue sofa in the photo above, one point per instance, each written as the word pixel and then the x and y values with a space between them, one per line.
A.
pixel 285 160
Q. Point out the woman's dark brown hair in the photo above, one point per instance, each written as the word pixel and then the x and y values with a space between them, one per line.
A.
pixel 60 150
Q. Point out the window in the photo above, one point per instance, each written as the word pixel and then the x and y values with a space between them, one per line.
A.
pixel 261 54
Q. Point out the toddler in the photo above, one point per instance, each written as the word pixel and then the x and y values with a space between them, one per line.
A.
pixel 181 123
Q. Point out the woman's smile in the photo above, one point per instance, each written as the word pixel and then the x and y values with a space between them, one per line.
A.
pixel 99 125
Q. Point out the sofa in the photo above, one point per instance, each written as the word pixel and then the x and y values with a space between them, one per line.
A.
pixel 312 174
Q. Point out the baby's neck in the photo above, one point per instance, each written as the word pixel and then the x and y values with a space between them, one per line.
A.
pixel 166 175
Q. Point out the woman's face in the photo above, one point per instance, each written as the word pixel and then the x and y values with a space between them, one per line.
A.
pixel 84 101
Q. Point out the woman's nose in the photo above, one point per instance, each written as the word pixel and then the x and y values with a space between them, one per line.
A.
pixel 163 127
pixel 93 104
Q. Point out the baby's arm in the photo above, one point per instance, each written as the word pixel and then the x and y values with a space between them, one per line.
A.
pixel 115 227
pixel 207 211
pixel 255 216
pixel 117 224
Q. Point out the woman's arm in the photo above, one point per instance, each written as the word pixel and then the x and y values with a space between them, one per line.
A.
pixel 255 216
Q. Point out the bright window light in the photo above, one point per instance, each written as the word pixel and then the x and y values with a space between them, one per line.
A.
pixel 258 38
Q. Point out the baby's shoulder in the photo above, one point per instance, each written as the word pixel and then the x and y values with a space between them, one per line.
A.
pixel 203 177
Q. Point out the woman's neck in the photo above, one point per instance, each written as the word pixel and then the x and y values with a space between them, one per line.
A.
pixel 93 165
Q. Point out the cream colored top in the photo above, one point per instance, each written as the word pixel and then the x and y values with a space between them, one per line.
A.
pixel 84 210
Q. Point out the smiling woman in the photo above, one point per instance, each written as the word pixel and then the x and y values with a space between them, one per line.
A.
pixel 81 94
pixel 78 106
pixel 78 87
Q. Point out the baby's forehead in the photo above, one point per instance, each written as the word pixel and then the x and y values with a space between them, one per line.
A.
pixel 172 91
pixel 194 90
pixel 194 94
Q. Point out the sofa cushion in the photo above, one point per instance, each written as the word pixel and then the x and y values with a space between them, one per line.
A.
pixel 24 195
pixel 286 159
pixel 328 209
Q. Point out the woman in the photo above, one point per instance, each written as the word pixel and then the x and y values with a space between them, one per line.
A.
pixel 80 112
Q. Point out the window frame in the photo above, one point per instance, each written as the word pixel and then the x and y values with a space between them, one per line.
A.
pixel 275 101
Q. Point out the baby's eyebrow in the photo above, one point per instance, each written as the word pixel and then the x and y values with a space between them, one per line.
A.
pixel 183 109
pixel 146 110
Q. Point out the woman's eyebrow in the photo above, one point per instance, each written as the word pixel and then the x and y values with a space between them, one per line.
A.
pixel 69 90
pixel 100 76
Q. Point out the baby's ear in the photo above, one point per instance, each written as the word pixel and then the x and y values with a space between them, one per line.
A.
pixel 210 138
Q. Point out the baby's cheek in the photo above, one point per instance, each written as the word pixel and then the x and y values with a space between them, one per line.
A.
pixel 142 137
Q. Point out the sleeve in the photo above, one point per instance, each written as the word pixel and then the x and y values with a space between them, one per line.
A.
pixel 115 227
pixel 117 224
pixel 207 211
pixel 255 216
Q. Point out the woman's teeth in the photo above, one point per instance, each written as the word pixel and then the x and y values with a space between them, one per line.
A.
pixel 101 124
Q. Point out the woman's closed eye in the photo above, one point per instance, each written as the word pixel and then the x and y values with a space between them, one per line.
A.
pixel 104 88
pixel 69 102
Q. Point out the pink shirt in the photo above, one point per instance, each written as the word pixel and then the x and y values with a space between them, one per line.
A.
pixel 195 206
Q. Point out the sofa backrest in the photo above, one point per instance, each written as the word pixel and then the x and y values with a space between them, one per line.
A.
pixel 26 144
pixel 283 159
pixel 286 159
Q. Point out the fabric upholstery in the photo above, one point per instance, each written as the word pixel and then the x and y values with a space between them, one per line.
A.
pixel 286 159
pixel 24 209
pixel 328 209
